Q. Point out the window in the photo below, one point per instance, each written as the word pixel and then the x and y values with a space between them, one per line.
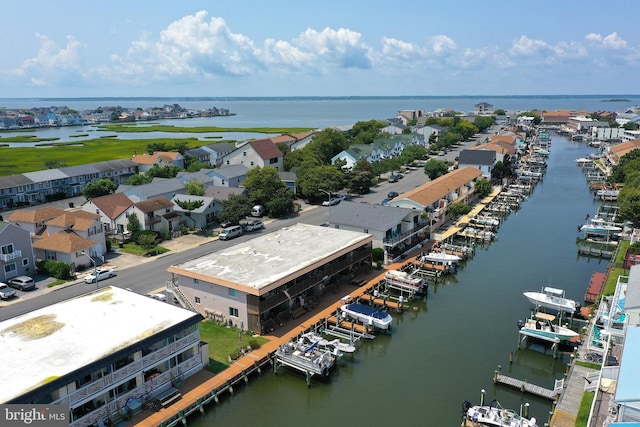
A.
pixel 7 249
pixel 196 281
pixel 25 262
pixel 197 300
pixel 233 312
pixel 273 160
pixel 233 293
pixel 9 268
pixel 244 153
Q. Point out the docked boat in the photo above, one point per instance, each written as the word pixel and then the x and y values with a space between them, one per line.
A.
pixel 540 325
pixel 600 226
pixel 440 257
pixel 495 415
pixel 487 221
pixel 371 316
pixel 553 299
pixel 305 357
pixel 333 345
pixel 403 280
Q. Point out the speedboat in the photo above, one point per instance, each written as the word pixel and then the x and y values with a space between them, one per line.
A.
pixel 496 415
pixel 440 257
pixel 600 226
pixel 552 298
pixel 371 316
pixel 403 280
pixel 540 325
pixel 335 344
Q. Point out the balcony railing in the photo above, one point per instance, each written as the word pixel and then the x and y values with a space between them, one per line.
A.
pixel 13 255
pixel 128 370
pixel 420 227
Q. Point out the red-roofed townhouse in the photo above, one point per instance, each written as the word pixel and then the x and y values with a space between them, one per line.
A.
pixel 261 152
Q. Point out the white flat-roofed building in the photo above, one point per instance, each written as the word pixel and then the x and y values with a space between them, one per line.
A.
pixel 254 283
pixel 101 353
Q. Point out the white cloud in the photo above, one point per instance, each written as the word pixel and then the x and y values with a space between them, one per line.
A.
pixel 612 41
pixel 335 48
pixel 441 44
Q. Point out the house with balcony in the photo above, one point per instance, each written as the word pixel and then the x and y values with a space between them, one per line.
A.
pixel 157 214
pixel 34 220
pixel 72 238
pixel 16 253
pixel 106 367
pixel 482 159
pixel 434 197
pixel 114 210
pixel 159 187
pixel 228 176
pixel 483 108
pixel 199 218
pixel 254 282
pixel 394 229
pixel 261 152
pixel 218 151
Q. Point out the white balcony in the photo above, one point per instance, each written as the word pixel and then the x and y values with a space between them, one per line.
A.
pixel 13 255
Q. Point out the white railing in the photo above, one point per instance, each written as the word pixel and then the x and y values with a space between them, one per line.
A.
pixel 13 255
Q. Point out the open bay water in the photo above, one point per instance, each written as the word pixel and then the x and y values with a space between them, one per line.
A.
pixel 446 348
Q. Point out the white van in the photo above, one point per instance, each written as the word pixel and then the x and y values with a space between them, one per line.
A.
pixel 257 211
pixel 230 232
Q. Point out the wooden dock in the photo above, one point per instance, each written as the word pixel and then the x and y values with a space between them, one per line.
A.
pixel 525 386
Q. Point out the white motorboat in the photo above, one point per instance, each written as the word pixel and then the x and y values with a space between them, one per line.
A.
pixel 496 415
pixel 335 344
pixel 599 225
pixel 371 316
pixel 440 257
pixel 540 325
pixel 553 299
pixel 305 357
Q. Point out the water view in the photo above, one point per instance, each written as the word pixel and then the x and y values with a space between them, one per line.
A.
pixel 445 349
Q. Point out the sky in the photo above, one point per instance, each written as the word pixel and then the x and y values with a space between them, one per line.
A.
pixel 258 48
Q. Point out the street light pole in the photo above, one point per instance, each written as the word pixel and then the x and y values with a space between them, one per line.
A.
pixel 328 193
pixel 95 267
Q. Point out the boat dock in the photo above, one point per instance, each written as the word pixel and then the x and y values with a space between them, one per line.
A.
pixel 527 387
pixel 596 286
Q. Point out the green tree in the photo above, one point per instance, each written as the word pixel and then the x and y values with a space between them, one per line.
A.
pixel 457 209
pixel 312 179
pixel 499 112
pixel 147 241
pixel 327 144
pixel 235 208
pixel 193 164
pixel 412 152
pixel 195 188
pixel 133 224
pixel 629 204
pixel 54 164
pixel 484 122
pixel 435 168
pixel 499 171
pixel 629 164
pixel 281 204
pixel 139 179
pixel 189 206
pixel 366 132
pixel 360 182
pixel 98 187
pixel 262 184
pixel 166 171
pixel 482 188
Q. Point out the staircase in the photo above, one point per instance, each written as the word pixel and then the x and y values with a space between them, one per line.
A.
pixel 177 293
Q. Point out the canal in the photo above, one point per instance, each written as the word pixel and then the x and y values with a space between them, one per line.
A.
pixel 446 348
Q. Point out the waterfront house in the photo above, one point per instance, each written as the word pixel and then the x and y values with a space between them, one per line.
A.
pixel 261 152
pixel 104 355
pixel 502 149
pixel 157 214
pixel 302 139
pixel 218 151
pixel 16 252
pixel 250 284
pixel 614 153
pixel 434 197
pixel 114 210
pixel 394 229
pixel 482 159
pixel 483 108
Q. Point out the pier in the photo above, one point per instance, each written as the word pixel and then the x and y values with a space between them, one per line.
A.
pixel 527 387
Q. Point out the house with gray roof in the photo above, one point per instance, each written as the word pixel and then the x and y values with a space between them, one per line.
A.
pixel 199 218
pixel 200 176
pixel 218 151
pixel 166 187
pixel 228 176
pixel 386 224
pixel 16 252
pixel 485 160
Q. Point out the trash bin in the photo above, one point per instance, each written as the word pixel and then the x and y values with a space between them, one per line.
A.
pixel 121 245
pixel 71 204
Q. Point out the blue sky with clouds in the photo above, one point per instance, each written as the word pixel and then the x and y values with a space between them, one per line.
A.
pixel 321 48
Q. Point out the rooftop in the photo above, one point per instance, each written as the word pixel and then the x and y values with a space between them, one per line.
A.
pixel 272 258
pixel 54 341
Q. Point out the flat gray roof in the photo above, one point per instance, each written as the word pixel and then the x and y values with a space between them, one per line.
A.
pixel 273 257
pixel 54 341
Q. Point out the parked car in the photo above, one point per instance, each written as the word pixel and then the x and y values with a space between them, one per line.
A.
pixel 254 225
pixel 230 232
pixel 22 283
pixel 393 178
pixel 386 201
pixel 331 202
pixel 341 196
pixel 392 194
pixel 101 274
pixel 6 292
pixel 257 211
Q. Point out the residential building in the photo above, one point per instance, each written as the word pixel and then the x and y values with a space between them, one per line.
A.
pixel 252 283
pixel 199 218
pixel 394 229
pixel 16 253
pixel 160 158
pixel 614 153
pixel 218 151
pixel 409 115
pixel 106 366
pixel 261 152
pixel 429 130
pixel 434 197
pixel 228 176
pixel 159 187
pixel 114 210
pixel 483 108
pixel 482 159
pixel 34 220
pixel 157 214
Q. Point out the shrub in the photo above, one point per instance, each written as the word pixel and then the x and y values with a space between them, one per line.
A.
pixel 377 254
pixel 59 270
pixel 254 344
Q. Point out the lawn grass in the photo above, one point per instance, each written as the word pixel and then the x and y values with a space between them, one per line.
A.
pixel 585 408
pixel 224 342
pixel 134 249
